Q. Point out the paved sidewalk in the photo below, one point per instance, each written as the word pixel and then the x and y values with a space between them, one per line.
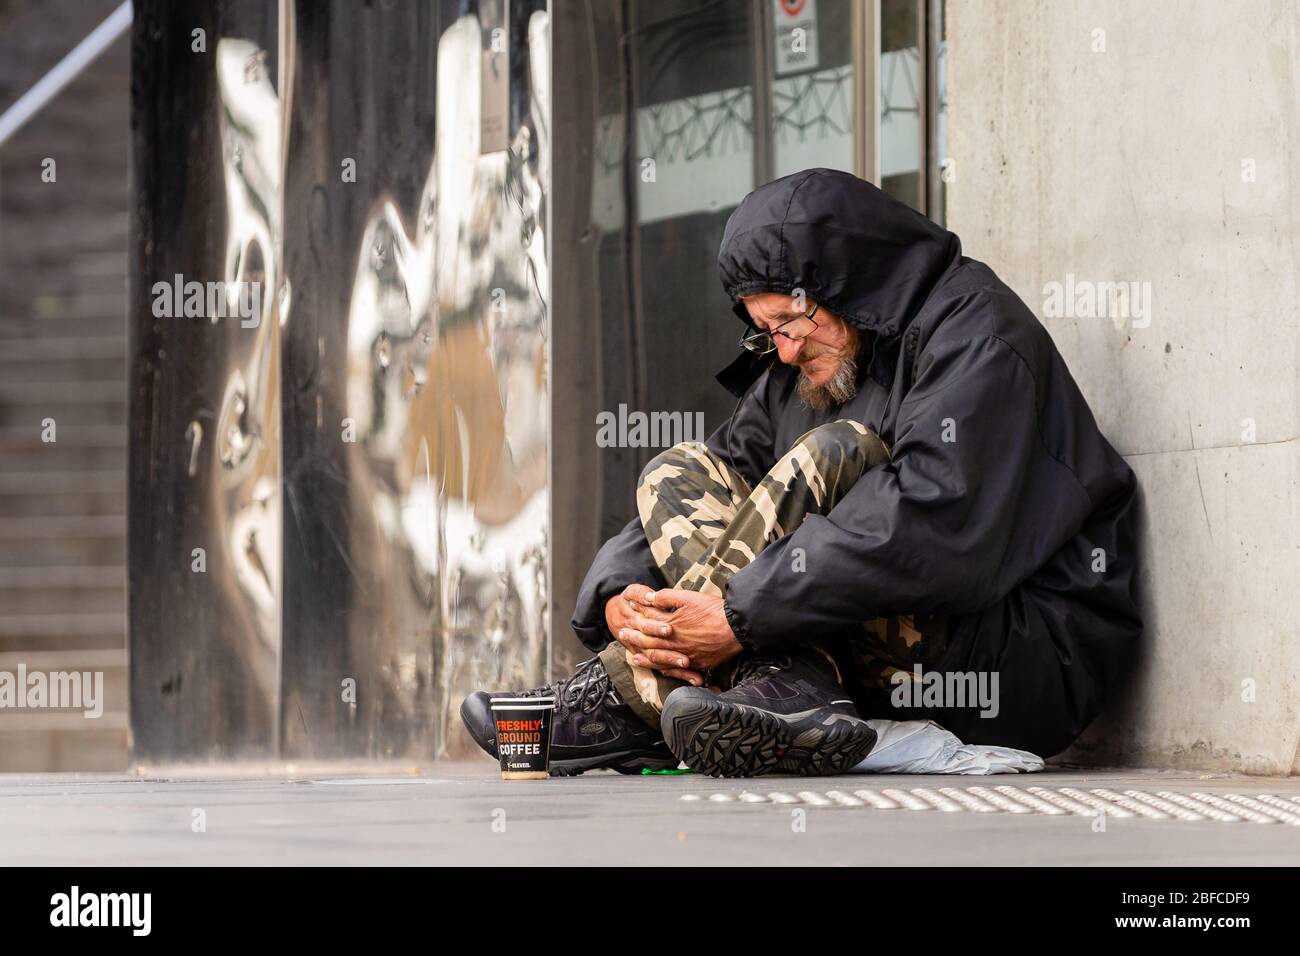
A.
pixel 464 814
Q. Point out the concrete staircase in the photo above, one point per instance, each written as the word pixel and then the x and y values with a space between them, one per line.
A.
pixel 63 356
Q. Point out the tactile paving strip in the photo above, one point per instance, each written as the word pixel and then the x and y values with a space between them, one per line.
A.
pixel 1044 801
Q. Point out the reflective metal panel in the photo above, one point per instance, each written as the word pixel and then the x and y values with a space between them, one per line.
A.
pixel 204 511
pixel 414 389
pixel 387 208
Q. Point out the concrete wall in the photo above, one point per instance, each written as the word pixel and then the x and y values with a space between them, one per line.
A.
pixel 1164 151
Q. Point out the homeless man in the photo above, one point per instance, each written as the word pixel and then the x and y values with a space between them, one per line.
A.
pixel 911 482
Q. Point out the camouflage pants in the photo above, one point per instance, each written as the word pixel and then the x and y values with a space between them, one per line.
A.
pixel 704 523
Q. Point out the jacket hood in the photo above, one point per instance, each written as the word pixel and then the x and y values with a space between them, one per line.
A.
pixel 865 256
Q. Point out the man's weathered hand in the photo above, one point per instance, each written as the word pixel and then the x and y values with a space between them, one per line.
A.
pixel 633 615
pixel 677 629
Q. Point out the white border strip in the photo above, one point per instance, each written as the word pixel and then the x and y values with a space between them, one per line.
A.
pixel 522 703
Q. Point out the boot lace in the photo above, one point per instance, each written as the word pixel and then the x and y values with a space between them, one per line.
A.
pixel 586 688
pixel 754 669
pixel 583 690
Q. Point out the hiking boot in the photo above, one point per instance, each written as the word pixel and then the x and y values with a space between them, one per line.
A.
pixel 591 727
pixel 784 713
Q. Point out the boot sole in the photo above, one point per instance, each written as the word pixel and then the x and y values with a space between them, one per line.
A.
pixel 723 739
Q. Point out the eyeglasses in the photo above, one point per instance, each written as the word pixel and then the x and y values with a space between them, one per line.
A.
pixel 796 330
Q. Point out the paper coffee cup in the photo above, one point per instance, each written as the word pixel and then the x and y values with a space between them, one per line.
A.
pixel 523 736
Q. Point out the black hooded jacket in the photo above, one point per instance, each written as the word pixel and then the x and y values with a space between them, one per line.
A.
pixel 1003 506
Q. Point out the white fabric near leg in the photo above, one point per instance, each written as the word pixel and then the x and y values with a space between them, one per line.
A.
pixel 922 746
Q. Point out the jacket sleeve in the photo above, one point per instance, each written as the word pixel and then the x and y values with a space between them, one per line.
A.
pixel 625 558
pixel 969 505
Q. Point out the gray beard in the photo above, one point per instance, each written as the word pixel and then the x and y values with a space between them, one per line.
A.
pixel 842 386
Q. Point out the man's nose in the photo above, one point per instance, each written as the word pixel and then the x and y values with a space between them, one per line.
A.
pixel 787 349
